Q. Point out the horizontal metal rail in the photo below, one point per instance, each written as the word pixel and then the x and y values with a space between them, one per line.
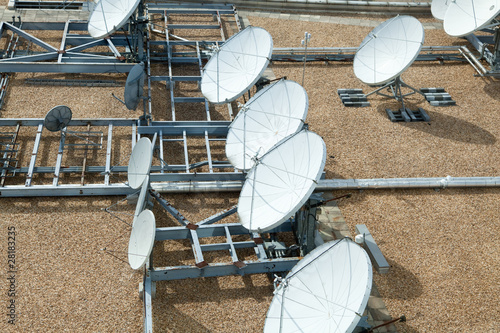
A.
pixel 222 269
pixel 326 6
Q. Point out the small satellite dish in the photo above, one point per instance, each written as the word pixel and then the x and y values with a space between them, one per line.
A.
pixel 140 162
pixel 439 7
pixel 58 118
pixel 134 86
pixel 282 181
pixel 388 50
pixel 463 17
pixel 327 291
pixel 272 114
pixel 237 65
pixel 110 15
pixel 142 239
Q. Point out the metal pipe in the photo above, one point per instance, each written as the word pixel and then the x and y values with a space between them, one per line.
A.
pixel 235 186
pixel 329 5
pixel 389 183
pixel 339 184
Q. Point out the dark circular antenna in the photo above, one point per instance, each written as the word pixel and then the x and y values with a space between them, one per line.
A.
pixel 58 118
pixel 134 86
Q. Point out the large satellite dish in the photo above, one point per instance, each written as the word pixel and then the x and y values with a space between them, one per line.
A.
pixel 439 7
pixel 142 239
pixel 463 17
pixel 272 114
pixel 327 291
pixel 110 15
pixel 134 86
pixel 388 50
pixel 282 181
pixel 140 162
pixel 237 65
pixel 57 118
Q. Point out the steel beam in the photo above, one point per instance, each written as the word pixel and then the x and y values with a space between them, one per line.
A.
pixel 65 190
pixel 54 67
pixel 221 269
pixel 192 128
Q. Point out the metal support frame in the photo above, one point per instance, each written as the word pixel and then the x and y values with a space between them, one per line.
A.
pixel 68 58
pixel 395 87
pixel 194 57
pixel 481 44
pixel 206 228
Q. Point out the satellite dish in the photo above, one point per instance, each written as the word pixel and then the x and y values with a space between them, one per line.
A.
pixel 134 86
pixel 282 181
pixel 142 239
pixel 58 118
pixel 110 15
pixel 237 65
pixel 272 114
pixel 388 50
pixel 327 291
pixel 463 17
pixel 140 162
pixel 439 7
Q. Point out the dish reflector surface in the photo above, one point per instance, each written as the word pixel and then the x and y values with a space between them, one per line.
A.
pixel 109 16
pixel 463 17
pixel 388 50
pixel 272 114
pixel 140 162
pixel 237 65
pixel 134 86
pixel 282 181
pixel 142 239
pixel 57 118
pixel 439 7
pixel 324 292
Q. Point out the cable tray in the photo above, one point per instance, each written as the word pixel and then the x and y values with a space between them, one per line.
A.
pixel 79 83
pixel 9 149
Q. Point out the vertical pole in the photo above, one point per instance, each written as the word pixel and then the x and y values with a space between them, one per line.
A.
pixel 307 37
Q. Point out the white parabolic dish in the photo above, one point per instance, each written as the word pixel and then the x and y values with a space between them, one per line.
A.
pixel 439 7
pixel 272 114
pixel 324 292
pixel 388 50
pixel 140 162
pixel 237 65
pixel 109 16
pixel 463 17
pixel 282 181
pixel 142 239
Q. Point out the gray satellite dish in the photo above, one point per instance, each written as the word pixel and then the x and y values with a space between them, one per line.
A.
pixel 58 118
pixel 134 86
pixel 142 239
pixel 139 163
